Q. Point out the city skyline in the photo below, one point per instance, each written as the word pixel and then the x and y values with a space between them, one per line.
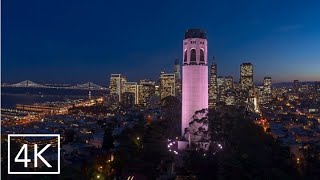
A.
pixel 160 90
pixel 283 45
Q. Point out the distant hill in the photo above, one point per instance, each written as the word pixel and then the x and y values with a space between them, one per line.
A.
pixel 289 84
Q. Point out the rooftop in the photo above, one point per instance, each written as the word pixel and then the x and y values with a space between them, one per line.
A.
pixel 195 33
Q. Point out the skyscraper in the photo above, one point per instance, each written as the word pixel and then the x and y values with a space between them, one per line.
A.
pixel 177 72
pixel 296 85
pixel 128 99
pixel 317 86
pixel 132 87
pixel 116 85
pixel 267 89
pixel 230 97
pixel 213 84
pixel 260 94
pixel 194 75
pixel 221 87
pixel 146 91
pixel 246 76
pixel 157 90
pixel 247 92
pixel 229 83
pixel 229 93
pixel 167 85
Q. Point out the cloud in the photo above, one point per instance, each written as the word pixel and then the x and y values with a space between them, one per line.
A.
pixel 290 27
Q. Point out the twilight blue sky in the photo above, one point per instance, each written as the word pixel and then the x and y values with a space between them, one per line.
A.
pixel 80 40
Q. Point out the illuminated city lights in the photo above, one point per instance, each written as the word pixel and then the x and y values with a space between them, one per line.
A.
pixel 134 92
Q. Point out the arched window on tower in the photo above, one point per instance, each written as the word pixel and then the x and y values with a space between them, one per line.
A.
pixel 185 60
pixel 201 56
pixel 193 56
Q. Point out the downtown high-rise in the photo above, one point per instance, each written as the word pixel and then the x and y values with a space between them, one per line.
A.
pixel 132 87
pixel 246 76
pixel 267 89
pixel 117 85
pixel 213 91
pixel 177 72
pixel 167 84
pixel 146 91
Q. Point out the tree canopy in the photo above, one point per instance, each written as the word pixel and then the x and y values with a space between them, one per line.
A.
pixel 247 152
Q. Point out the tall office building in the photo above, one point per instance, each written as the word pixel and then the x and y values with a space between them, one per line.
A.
pixel 117 85
pixel 296 85
pixel 221 84
pixel 260 93
pixel 128 99
pixel 146 91
pixel 229 83
pixel 167 85
pixel 317 86
pixel 177 72
pixel 132 87
pixel 157 90
pixel 247 91
pixel 112 100
pixel 230 98
pixel 213 91
pixel 194 76
pixel 267 89
pixel 246 76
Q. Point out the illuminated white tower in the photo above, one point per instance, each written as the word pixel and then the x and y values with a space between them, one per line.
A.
pixel 194 75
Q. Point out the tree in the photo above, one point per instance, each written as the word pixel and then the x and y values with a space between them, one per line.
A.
pixel 108 140
pixel 171 115
pixel 154 148
pixel 247 152
pixel 69 135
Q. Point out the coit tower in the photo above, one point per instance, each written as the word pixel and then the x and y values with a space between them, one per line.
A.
pixel 194 75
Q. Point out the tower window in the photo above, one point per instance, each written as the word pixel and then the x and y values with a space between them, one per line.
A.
pixel 201 56
pixel 185 56
pixel 193 56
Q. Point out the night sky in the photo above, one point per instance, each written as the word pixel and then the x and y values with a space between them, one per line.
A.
pixel 73 41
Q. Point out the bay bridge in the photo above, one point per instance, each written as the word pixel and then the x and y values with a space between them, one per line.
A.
pixel 30 84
